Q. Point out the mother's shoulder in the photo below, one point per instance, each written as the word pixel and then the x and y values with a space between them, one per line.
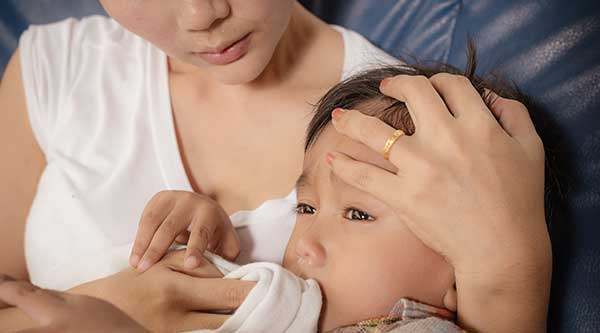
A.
pixel 360 53
pixel 91 31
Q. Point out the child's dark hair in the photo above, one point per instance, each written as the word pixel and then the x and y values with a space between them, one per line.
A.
pixel 362 91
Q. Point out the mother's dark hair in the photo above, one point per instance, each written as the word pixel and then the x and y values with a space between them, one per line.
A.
pixel 362 91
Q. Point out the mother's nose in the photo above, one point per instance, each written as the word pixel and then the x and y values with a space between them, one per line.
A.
pixel 199 15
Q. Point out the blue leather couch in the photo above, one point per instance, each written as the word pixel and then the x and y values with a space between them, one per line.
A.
pixel 550 48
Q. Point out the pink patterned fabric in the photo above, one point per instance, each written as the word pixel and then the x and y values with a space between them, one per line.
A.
pixel 407 316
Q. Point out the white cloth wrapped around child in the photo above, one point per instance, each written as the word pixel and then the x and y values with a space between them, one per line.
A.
pixel 280 301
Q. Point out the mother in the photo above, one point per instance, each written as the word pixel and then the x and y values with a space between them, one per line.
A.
pixel 102 142
pixel 213 98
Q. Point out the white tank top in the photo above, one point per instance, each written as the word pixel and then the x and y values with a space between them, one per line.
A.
pixel 99 105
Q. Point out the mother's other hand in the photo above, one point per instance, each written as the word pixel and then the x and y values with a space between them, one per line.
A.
pixel 62 312
pixel 168 297
pixel 470 187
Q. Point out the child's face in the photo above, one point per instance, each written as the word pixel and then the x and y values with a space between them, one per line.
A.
pixel 363 256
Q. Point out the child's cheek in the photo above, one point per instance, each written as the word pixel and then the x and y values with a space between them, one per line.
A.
pixel 370 278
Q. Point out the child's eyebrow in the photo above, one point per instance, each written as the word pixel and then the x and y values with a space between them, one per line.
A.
pixel 302 181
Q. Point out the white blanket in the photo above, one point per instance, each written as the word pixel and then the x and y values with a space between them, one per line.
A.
pixel 280 301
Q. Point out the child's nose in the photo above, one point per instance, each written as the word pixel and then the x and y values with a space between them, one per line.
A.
pixel 199 15
pixel 310 249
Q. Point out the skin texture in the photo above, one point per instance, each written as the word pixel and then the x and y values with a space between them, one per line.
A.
pixel 505 292
pixel 160 299
pixel 288 49
pixel 283 38
pixel 464 164
pixel 182 27
pixel 358 249
pixel 329 243
pixel 207 101
pixel 189 218
pixel 53 310
pixel 305 62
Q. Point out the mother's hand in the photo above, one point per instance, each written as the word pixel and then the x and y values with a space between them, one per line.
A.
pixel 168 297
pixel 62 312
pixel 470 187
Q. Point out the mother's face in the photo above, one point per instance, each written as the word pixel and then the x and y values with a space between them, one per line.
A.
pixel 233 40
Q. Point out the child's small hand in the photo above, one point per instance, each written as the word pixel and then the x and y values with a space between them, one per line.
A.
pixel 186 217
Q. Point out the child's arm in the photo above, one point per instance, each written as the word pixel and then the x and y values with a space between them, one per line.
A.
pixel 186 217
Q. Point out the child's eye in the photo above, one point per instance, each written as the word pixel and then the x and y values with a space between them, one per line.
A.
pixel 305 209
pixel 354 214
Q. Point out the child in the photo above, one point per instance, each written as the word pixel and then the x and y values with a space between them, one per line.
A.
pixel 348 249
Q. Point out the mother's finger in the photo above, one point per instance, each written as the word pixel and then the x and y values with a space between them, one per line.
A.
pixel 5 278
pixel 372 132
pixel 43 329
pixel 174 224
pixel 211 294
pixel 426 107
pixel 512 115
pixel 514 118
pixel 461 97
pixel 203 231
pixel 157 209
pixel 205 269
pixel 39 304
pixel 366 177
pixel 195 320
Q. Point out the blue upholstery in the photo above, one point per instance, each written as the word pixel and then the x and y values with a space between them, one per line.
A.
pixel 550 48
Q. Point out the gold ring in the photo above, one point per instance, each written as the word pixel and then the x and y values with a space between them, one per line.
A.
pixel 390 142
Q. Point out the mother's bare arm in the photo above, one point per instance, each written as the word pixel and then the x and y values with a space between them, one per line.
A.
pixel 21 167
pixel 166 297
pixel 61 312
pixel 13 319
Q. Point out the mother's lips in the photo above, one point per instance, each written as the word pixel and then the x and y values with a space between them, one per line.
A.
pixel 226 54
pixel 221 48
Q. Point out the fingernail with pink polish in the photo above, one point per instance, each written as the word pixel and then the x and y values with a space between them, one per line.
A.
pixel 384 82
pixel 337 114
pixel 330 157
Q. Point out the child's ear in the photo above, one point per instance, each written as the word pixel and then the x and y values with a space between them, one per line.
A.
pixel 450 301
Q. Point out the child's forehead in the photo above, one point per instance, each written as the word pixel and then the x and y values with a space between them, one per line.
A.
pixel 331 141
